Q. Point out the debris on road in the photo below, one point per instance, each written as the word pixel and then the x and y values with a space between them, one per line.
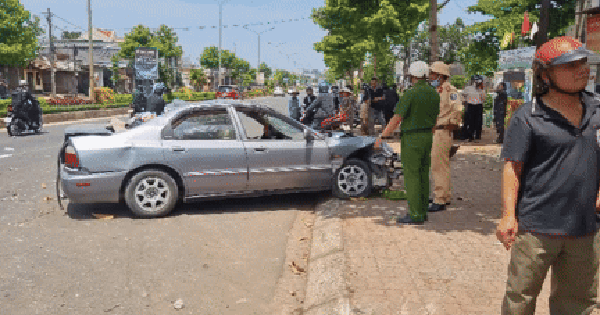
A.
pixel 178 304
pixel 103 216
pixel 47 198
pixel 43 185
pixel 303 238
pixel 293 293
pixel 242 300
pixel 296 269
pixel 112 308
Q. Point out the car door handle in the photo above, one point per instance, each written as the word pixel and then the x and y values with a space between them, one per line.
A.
pixel 178 149
pixel 260 149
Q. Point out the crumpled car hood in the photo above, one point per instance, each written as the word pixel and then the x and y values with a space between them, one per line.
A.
pixel 345 144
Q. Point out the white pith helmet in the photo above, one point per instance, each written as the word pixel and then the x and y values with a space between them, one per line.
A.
pixel 419 69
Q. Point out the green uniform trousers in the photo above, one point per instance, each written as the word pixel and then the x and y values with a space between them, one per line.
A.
pixel 415 153
pixel 574 279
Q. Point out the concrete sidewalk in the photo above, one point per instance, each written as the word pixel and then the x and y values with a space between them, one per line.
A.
pixel 452 264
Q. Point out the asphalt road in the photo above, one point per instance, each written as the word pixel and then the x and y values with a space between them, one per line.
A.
pixel 218 257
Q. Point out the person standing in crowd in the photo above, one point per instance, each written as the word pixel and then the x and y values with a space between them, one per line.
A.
pixel 473 98
pixel 365 112
pixel 391 99
pixel 377 106
pixel 419 106
pixel 322 107
pixel 294 106
pixel 448 120
pixel 550 186
pixel 348 106
pixel 308 99
pixel 500 111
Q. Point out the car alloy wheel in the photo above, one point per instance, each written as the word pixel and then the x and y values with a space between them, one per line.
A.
pixel 353 179
pixel 151 193
pixel 14 128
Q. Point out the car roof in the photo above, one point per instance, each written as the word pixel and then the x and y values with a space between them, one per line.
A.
pixel 218 104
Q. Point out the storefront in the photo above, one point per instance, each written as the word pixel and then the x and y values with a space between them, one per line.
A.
pixel 514 69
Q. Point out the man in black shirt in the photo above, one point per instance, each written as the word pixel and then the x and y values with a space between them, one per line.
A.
pixel 391 99
pixel 550 186
pixel 376 101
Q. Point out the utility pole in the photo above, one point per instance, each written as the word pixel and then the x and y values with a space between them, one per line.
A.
pixel 52 80
pixel 91 51
pixel 220 32
pixel 542 35
pixel 579 18
pixel 433 56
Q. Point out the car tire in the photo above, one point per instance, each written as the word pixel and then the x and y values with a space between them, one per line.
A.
pixel 353 180
pixel 151 193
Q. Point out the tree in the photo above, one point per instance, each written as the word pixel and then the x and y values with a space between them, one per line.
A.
pixel 198 78
pixel 210 58
pixel 115 77
pixel 265 69
pixel 140 36
pixel 19 33
pixel 359 26
pixel 481 56
pixel 66 35
pixel 239 67
pixel 164 39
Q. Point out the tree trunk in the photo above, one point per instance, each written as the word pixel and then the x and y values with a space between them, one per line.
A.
pixel 433 29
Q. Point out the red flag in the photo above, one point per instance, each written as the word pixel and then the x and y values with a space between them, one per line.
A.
pixel 525 25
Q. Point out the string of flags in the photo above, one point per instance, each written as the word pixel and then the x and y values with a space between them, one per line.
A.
pixel 525 28
pixel 202 27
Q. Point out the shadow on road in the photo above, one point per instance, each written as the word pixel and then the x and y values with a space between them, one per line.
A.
pixel 300 201
pixel 475 205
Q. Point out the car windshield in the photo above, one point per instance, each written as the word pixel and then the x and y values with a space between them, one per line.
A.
pixel 225 89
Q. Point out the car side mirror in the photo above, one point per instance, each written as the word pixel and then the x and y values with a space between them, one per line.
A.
pixel 308 135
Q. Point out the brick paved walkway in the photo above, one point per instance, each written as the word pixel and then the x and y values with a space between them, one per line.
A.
pixel 451 265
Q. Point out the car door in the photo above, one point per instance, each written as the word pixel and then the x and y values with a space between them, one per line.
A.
pixel 203 146
pixel 285 160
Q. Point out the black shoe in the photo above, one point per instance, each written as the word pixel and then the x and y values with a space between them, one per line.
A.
pixel 434 207
pixel 409 221
pixel 431 201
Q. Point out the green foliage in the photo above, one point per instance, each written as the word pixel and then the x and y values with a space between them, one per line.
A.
pixel 198 78
pixel 459 81
pixel 264 68
pixel 164 39
pixel 70 35
pixel 481 56
pixel 210 58
pixel 18 34
pixel 360 26
pixel 115 70
pixel 489 101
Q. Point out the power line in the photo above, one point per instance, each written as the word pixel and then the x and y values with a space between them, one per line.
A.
pixel 187 28
pixel 56 16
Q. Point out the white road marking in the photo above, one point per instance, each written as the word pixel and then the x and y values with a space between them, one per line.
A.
pixel 9 149
pixel 5 155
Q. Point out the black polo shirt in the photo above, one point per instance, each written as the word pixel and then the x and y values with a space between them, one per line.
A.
pixel 377 105
pixel 561 170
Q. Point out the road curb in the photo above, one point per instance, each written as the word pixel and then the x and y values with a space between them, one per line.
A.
pixel 326 290
pixel 79 115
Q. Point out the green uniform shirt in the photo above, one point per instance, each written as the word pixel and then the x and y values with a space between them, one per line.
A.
pixel 418 107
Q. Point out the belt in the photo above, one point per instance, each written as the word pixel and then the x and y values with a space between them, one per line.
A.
pixel 416 130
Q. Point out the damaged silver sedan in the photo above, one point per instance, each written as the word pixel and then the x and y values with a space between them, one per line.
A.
pixel 207 151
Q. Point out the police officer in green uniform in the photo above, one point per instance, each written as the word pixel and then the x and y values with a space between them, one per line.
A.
pixel 417 109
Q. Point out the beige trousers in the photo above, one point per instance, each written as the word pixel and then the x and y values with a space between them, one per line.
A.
pixel 574 279
pixel 440 166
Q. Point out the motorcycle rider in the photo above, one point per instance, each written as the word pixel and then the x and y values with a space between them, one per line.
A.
pixel 156 102
pixel 294 106
pixel 323 107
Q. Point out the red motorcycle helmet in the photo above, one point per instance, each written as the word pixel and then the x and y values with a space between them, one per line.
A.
pixel 561 50
pixel 558 51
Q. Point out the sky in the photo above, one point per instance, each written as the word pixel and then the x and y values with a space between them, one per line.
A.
pixel 280 47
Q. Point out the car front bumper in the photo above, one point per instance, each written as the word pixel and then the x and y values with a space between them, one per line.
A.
pixel 91 188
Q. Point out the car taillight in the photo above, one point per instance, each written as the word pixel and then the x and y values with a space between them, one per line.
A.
pixel 71 159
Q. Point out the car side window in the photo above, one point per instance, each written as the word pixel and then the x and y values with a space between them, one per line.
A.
pixel 265 126
pixel 204 125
